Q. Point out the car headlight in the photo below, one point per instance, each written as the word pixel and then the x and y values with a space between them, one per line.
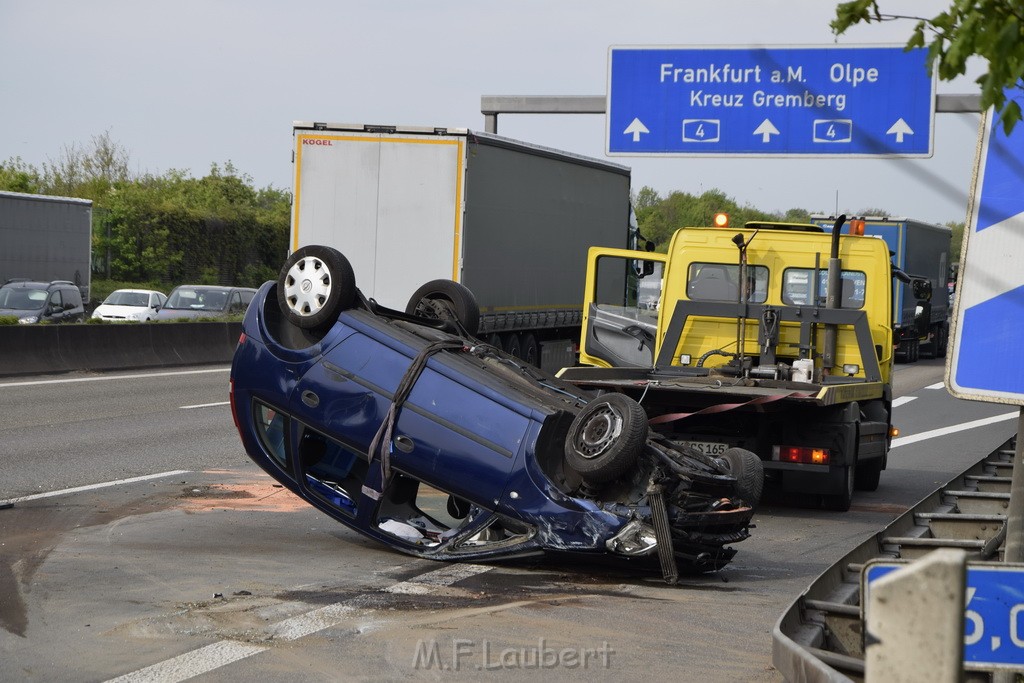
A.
pixel 95 314
pixel 29 319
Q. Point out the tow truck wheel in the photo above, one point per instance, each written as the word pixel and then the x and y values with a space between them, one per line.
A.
pixel 840 502
pixel 606 438
pixel 314 286
pixel 446 300
pixel 868 475
pixel 749 473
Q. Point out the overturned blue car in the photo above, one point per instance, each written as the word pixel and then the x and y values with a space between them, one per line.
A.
pixel 406 428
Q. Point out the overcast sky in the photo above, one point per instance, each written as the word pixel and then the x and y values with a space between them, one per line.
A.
pixel 185 84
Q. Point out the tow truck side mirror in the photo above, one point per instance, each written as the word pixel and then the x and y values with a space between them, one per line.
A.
pixel 922 289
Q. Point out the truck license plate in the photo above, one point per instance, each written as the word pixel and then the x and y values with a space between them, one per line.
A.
pixel 707 447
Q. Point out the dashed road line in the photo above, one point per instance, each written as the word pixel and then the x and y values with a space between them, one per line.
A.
pixel 108 378
pixel 93 487
pixel 206 659
pixel 952 429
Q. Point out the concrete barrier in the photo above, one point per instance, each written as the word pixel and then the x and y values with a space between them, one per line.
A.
pixel 44 349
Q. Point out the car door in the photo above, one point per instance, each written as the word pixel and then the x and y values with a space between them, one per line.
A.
pixel 54 311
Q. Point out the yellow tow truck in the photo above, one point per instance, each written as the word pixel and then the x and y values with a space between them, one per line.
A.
pixel 775 338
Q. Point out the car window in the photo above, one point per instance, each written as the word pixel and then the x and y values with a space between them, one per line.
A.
pixel 236 302
pixel 55 299
pixel 247 297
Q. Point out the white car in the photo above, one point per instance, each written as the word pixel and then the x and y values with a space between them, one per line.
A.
pixel 134 305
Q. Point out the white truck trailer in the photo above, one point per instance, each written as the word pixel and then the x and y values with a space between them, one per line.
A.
pixel 44 238
pixel 509 220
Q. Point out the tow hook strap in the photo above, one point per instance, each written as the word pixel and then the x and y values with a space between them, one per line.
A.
pixel 723 407
pixel 662 533
pixel 381 444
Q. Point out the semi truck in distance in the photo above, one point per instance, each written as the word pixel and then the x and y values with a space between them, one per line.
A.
pixel 920 302
pixel 510 221
pixel 44 238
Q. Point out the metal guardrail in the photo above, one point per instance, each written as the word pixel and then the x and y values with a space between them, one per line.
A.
pixel 821 636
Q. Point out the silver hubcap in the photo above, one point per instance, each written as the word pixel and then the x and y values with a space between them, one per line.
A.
pixel 599 433
pixel 307 286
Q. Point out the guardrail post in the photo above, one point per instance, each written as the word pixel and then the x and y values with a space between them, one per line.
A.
pixel 915 621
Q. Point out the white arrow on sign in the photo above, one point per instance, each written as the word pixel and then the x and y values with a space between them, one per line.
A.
pixel 900 128
pixel 766 130
pixel 636 128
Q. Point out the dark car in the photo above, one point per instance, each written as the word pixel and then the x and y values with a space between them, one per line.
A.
pixel 205 301
pixel 38 302
pixel 403 426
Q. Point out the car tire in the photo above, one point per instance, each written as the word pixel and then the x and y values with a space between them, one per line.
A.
pixel 314 286
pixel 749 473
pixel 446 300
pixel 606 438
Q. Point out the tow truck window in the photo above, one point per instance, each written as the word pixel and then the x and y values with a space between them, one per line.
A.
pixel 797 287
pixel 718 282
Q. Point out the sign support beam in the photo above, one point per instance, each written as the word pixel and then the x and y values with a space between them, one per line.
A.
pixel 493 105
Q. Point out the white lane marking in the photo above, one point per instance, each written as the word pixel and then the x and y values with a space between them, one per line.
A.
pixel 92 487
pixel 426 583
pixel 937 385
pixel 216 655
pixel 193 663
pixel 902 400
pixel 107 378
pixel 205 405
pixel 952 429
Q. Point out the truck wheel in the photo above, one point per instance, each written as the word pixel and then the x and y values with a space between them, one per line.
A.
pixel 868 474
pixel 513 345
pixel 531 350
pixel 606 438
pixel 446 300
pixel 840 502
pixel 943 345
pixel 314 286
pixel 749 473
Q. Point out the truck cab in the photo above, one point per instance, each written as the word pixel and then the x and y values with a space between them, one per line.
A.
pixel 754 342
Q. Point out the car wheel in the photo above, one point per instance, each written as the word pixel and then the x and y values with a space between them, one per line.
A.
pixel 749 473
pixel 315 285
pixel 606 438
pixel 446 300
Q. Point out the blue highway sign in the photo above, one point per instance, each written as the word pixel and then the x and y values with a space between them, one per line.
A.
pixel 770 101
pixel 993 616
pixel 989 311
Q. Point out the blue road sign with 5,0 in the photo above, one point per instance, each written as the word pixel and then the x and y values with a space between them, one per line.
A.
pixel 993 616
pixel 770 101
pixel 989 311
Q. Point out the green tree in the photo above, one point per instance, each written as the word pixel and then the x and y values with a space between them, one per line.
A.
pixel 90 173
pixel 17 176
pixel 990 29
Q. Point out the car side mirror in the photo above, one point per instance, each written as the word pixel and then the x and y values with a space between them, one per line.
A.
pixel 648 268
